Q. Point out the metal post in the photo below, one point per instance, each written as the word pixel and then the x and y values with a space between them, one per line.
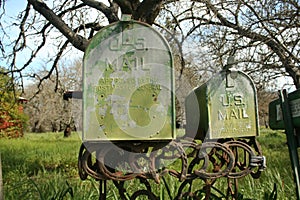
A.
pixel 1 181
pixel 102 190
pixel 291 138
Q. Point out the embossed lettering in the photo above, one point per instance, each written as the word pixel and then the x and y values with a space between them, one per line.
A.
pixel 235 99
pixel 238 100
pixel 114 45
pixel 135 63
pixel 126 64
pixel 232 114
pixel 137 43
pixel 225 100
pixel 221 116
pixel 140 44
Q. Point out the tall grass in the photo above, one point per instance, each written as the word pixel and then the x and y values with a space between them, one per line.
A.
pixel 44 166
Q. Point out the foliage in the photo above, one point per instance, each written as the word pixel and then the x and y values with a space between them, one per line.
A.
pixel 44 166
pixel 12 119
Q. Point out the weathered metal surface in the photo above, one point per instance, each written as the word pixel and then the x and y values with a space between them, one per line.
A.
pixel 275 112
pixel 128 85
pixel 128 100
pixel 224 107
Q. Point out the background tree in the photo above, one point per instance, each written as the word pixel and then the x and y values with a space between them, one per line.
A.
pixel 12 119
pixel 46 108
pixel 263 35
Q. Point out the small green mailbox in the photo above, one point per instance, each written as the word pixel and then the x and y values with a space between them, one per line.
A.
pixel 223 107
pixel 275 112
pixel 128 85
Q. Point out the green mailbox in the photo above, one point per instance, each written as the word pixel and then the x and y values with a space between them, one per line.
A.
pixel 284 113
pixel 128 85
pixel 275 112
pixel 223 107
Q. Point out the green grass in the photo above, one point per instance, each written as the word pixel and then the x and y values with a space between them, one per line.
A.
pixel 44 166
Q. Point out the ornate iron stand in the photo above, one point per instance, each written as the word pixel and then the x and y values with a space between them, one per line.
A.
pixel 194 161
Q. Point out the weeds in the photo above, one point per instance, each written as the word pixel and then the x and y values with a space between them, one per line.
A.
pixel 44 166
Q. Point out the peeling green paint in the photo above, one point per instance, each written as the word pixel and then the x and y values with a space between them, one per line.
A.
pixel 128 85
pixel 224 107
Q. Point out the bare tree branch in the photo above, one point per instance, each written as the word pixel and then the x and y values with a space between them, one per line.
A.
pixel 148 10
pixel 127 7
pixel 77 40
pixel 263 34
pixel 110 12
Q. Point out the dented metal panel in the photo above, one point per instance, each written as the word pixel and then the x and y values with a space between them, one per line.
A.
pixel 128 85
pixel 224 107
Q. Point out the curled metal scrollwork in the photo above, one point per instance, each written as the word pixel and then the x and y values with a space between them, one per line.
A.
pixel 208 161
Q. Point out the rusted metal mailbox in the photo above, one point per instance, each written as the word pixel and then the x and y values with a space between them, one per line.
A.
pixel 128 85
pixel 223 107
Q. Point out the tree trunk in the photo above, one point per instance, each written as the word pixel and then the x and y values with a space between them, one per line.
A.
pixel 293 73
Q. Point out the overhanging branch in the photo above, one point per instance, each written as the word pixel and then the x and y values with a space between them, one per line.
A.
pixel 78 41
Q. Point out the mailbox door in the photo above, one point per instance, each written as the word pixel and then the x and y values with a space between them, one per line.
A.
pixel 232 106
pixel 223 107
pixel 128 85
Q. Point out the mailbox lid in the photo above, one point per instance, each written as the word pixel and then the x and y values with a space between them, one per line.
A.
pixel 128 85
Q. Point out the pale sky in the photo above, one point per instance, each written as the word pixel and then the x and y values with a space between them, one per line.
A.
pixel 12 10
pixel 13 7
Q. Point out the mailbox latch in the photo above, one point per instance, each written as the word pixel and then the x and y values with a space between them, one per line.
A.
pixel 258 161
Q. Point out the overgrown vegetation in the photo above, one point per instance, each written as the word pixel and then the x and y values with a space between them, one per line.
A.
pixel 44 166
pixel 12 118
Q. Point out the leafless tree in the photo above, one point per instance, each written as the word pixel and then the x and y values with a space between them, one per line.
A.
pixel 46 108
pixel 262 34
